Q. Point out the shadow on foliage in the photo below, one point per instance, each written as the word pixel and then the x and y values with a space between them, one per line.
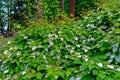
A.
pixel 82 6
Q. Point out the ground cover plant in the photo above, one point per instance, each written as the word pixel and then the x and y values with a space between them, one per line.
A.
pixel 79 50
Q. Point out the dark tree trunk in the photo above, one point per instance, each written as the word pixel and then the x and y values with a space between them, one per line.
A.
pixel 72 8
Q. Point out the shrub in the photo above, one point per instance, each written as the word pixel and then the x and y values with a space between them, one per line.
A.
pixel 81 50
pixel 50 8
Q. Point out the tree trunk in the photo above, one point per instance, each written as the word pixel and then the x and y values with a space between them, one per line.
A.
pixel 72 8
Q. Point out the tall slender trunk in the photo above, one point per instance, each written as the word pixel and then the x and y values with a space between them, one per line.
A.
pixel 72 8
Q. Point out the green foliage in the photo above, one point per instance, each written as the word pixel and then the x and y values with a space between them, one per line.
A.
pixel 18 27
pixel 109 4
pixel 67 6
pixel 50 8
pixel 81 50
pixel 23 12
pixel 83 6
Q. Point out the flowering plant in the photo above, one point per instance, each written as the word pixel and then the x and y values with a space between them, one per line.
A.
pixel 82 50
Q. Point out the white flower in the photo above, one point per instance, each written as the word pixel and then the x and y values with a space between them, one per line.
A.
pixel 34 47
pixel 51 53
pixel 100 65
pixel 9 56
pixel 99 29
pixel 85 50
pixel 25 37
pixel 15 76
pixel 59 32
pixel 23 73
pixel 110 14
pixel 66 56
pixel 88 40
pixel 11 48
pixel 92 26
pixel 28 43
pixel 58 57
pixel 71 51
pixel 56 77
pixel 61 67
pixel 8 78
pixel 88 25
pixel 98 17
pixel 18 53
pixel 108 53
pixel 40 46
pixel 100 21
pixel 91 21
pixel 118 20
pixel 49 35
pixel 85 17
pixel 78 46
pixel 67 46
pixel 44 57
pixel 88 47
pixel 32 41
pixel 73 48
pixel 61 39
pixel 47 65
pixel 4 62
pixel 5 52
pixel 118 69
pixel 110 60
pixel 110 66
pixel 92 39
pixel 112 56
pixel 76 38
pixel 8 42
pixel 55 36
pixel 79 56
pixel 85 58
pixel 51 43
pixel 47 49
pixel 15 47
pixel 33 56
pixel 18 26
pixel 106 40
pixel 6 71
pixel 84 41
pixel 78 78
pixel 46 76
pixel 98 9
pixel 72 78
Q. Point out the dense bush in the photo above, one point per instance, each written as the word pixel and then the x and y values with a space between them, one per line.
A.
pixel 50 8
pixel 80 50
pixel 83 6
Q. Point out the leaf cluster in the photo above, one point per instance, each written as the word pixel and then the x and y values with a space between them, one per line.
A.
pixel 79 50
